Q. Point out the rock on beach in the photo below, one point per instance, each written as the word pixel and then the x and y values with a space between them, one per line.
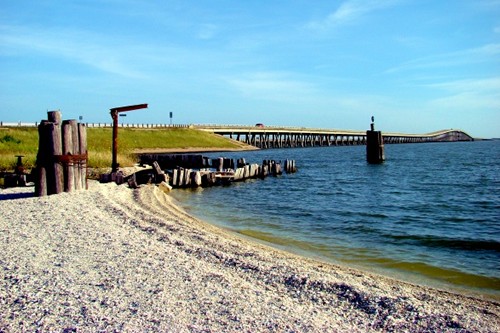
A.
pixel 112 259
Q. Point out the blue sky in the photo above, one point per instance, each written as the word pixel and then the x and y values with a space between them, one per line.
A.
pixel 416 65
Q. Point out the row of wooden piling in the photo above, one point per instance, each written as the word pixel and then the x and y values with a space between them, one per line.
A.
pixel 191 161
pixel 185 177
pixel 61 163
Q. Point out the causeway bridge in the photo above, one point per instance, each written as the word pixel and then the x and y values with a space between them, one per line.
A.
pixel 296 137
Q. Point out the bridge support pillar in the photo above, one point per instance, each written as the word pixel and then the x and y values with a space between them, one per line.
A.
pixel 374 146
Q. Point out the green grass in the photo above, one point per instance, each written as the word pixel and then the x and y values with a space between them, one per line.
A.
pixel 24 141
pixel 17 141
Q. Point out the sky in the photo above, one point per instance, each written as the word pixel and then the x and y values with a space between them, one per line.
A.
pixel 417 66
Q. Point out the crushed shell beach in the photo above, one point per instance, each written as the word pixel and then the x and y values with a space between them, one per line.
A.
pixel 112 259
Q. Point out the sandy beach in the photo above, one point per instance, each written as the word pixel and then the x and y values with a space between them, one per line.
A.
pixel 112 259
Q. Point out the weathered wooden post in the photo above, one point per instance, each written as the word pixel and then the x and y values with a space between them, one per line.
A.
pixel 82 134
pixel 195 179
pixel 374 145
pixel 56 175
pixel 61 150
pixel 114 152
pixel 76 152
pixel 114 115
pixel 41 167
pixel 220 166
pixel 69 140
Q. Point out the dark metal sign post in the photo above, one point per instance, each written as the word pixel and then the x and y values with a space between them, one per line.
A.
pixel 114 114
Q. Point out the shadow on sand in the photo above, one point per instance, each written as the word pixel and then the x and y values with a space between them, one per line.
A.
pixel 12 196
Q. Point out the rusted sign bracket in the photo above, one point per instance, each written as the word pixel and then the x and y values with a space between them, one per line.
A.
pixel 114 114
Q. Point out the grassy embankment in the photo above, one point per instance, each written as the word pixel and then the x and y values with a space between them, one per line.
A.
pixel 24 141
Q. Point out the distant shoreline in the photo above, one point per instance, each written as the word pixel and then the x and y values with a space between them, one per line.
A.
pixel 193 150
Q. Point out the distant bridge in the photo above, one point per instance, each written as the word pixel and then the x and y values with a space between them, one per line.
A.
pixel 295 137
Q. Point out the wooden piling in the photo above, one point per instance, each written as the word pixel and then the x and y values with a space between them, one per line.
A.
pixel 41 168
pixel 175 177
pixel 241 163
pixel 238 174
pixel 55 174
pixel 195 179
pixel 290 166
pixel 73 124
pixel 68 149
pixel 54 117
pixel 222 172
pixel 246 171
pixel 264 171
pixel 82 165
pixel 254 168
pixel 187 177
pixel 60 153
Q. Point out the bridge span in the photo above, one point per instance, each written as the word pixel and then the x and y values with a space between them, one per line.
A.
pixel 295 137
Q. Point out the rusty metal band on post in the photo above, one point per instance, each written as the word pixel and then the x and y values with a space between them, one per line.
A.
pixel 64 159
pixel 70 158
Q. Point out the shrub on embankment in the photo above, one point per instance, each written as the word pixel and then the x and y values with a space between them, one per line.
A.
pixel 24 141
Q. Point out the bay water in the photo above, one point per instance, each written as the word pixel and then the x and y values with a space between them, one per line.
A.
pixel 430 214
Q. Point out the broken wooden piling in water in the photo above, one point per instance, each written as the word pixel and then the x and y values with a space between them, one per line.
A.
pixel 187 170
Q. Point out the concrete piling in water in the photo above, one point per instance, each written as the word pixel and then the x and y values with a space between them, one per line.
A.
pixel 374 145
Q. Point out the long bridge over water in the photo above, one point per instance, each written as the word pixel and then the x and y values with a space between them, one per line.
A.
pixel 295 137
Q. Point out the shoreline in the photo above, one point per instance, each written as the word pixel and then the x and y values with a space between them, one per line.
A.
pixel 112 258
pixel 403 276
pixel 242 147
pixel 304 250
pixel 279 244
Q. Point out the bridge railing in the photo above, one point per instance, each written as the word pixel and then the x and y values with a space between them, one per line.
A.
pixel 97 125
pixel 275 128
pixel 437 134
pixel 18 124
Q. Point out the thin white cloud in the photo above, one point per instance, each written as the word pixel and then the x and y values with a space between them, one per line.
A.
pixel 468 95
pixel 77 46
pixel 119 55
pixel 350 12
pixel 473 55
pixel 488 84
pixel 272 86
pixel 466 102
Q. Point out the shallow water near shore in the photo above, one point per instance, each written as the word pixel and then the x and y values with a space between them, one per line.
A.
pixel 430 214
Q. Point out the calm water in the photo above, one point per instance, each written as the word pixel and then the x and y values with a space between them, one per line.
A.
pixel 430 214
